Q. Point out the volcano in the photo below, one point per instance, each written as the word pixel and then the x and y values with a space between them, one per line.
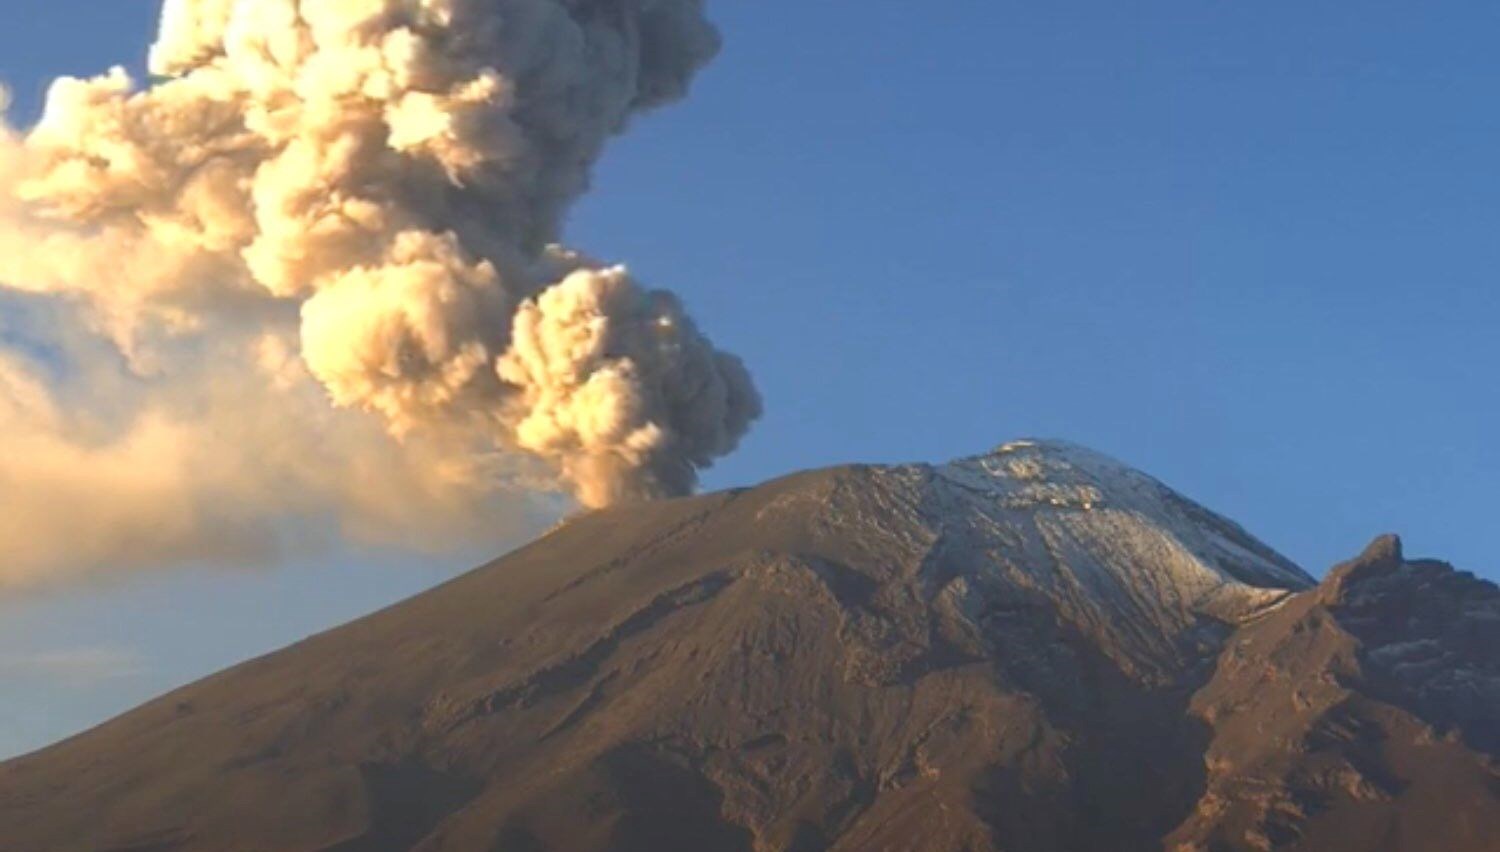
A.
pixel 1037 648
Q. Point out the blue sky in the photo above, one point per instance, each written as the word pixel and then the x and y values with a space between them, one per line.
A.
pixel 1248 249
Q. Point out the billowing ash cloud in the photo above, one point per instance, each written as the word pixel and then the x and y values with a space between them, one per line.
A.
pixel 363 197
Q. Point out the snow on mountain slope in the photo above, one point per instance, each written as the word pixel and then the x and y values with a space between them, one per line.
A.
pixel 1115 550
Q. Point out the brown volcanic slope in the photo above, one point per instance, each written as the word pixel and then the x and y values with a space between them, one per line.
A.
pixel 1037 649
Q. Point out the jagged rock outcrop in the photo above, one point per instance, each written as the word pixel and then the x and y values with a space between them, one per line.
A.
pixel 1359 715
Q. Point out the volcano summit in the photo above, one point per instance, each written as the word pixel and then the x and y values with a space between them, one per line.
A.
pixel 1034 649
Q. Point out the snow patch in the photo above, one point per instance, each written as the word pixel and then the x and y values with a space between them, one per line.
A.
pixel 1113 546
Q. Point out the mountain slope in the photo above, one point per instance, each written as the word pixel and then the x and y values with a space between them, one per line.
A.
pixel 1362 715
pixel 1033 649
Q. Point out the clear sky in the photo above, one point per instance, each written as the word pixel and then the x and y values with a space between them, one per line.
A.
pixel 1248 248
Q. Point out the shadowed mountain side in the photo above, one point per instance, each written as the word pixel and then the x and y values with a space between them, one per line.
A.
pixel 1360 715
pixel 1000 653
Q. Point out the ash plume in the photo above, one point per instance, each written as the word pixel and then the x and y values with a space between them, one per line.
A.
pixel 323 214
